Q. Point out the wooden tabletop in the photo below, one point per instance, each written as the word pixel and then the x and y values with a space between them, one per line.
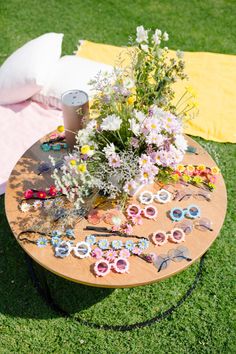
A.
pixel 78 270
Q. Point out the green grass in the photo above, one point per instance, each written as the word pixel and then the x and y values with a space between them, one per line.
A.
pixel 205 323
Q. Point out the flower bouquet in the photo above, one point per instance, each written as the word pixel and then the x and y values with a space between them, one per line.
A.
pixel 136 134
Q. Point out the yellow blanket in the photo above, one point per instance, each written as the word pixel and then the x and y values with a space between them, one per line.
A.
pixel 213 76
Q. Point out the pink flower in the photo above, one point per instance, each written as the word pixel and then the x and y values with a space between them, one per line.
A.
pixel 134 142
pixel 137 220
pixel 97 253
pixel 28 193
pixel 111 255
pixel 125 253
pixel 137 251
pixel 53 136
pixel 114 160
pixel 128 229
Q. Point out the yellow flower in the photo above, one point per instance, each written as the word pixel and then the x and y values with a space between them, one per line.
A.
pixel 190 168
pixel 82 168
pixel 85 149
pixel 215 170
pixel 180 168
pixel 131 100
pixel 211 185
pixel 72 162
pixel 186 178
pixel 191 90
pixel 60 128
pixel 201 168
pixel 197 179
pixel 175 177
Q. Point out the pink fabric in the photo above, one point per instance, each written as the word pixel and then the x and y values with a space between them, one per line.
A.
pixel 21 125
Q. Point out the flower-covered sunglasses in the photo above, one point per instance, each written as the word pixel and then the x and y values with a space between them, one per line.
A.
pixel 192 212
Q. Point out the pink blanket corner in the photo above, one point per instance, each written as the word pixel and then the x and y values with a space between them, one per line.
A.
pixel 21 125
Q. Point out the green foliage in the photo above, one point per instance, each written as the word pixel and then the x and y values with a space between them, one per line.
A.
pixel 205 323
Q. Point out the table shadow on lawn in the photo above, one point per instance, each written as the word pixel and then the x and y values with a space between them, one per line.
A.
pixel 18 296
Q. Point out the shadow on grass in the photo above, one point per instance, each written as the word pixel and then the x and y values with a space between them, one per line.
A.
pixel 18 296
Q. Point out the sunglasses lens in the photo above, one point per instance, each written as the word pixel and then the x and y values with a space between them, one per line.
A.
pixel 150 212
pixel 187 227
pixel 177 213
pixel 177 235
pixel 160 237
pixel 180 254
pixel 82 250
pixel 121 264
pixel 204 224
pixel 193 211
pixel 102 267
pixel 163 196
pixel 146 198
pixel 183 195
pixel 134 210
pixel 202 196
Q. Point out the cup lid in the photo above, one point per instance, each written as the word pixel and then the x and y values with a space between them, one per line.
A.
pixel 74 98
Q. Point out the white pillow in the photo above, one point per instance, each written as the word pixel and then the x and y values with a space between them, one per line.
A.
pixel 26 70
pixel 70 72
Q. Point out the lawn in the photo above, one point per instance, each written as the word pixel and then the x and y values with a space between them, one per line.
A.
pixel 204 323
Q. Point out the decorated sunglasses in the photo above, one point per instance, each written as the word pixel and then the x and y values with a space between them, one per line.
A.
pixel 186 194
pixel 114 217
pixel 176 235
pixel 202 224
pixel 192 212
pixel 149 212
pixel 162 196
pixel 102 267
pixel 64 248
pixel 179 254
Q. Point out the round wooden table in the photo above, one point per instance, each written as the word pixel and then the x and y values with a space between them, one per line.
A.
pixel 24 176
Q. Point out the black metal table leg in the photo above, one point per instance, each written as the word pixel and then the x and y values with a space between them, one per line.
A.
pixel 41 284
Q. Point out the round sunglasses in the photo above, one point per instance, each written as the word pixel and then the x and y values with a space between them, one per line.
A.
pixel 192 212
pixel 202 224
pixel 134 210
pixel 177 235
pixel 162 196
pixel 185 194
pixel 102 267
